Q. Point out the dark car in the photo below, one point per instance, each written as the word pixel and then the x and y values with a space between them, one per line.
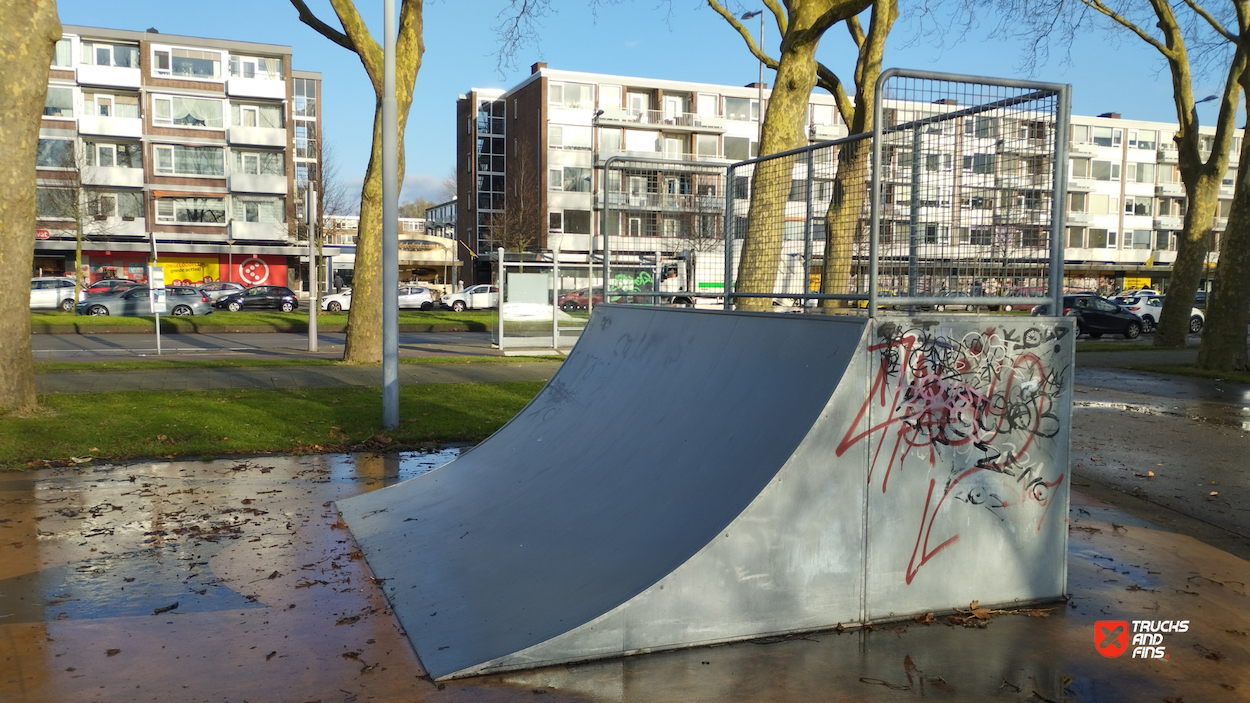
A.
pixel 260 297
pixel 110 285
pixel 1097 316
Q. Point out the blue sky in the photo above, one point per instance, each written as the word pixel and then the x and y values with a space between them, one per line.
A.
pixel 681 41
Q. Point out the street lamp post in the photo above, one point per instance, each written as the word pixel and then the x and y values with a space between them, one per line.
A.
pixel 390 225
pixel 759 125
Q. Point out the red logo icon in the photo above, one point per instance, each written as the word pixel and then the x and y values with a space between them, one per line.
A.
pixel 254 271
pixel 1111 637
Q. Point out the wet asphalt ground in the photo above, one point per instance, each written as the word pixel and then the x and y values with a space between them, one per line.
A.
pixel 273 602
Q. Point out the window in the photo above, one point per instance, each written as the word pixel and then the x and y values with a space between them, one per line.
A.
pixel 105 105
pixel 61 58
pixel 569 179
pixel 1138 205
pixel 1079 202
pixel 266 116
pixel 1146 139
pixel 60 102
pixel 1076 237
pixel 577 221
pixel 305 90
pixel 260 163
pixel 100 54
pixel 1080 134
pixel 981 127
pixel 555 221
pixel 256 67
pixel 54 203
pixel 1105 170
pixel 187 112
pixel 976 236
pixel 1106 136
pixel 1138 239
pixel 979 163
pixel 126 205
pixel 737 148
pixel 258 209
pixel 572 95
pixel 1141 173
pixel 1031 200
pixel 741 109
pixel 1080 168
pixel 1101 239
pixel 55 153
pixel 822 115
pixel 118 155
pixel 568 137
pixel 490 119
pixel 610 97
pixel 609 140
pixel 1103 204
pixel 186 63
pixel 705 144
pixel 189 160
pixel 191 210
pixel 937 162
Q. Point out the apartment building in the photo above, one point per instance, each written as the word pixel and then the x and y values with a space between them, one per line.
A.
pixel 195 149
pixel 531 158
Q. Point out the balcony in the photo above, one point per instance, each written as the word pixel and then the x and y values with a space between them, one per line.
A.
pixel 681 121
pixel 1080 185
pixel 111 76
pixel 1168 154
pixel 259 231
pixel 253 183
pixel 256 136
pixel 111 126
pixel 116 227
pixel 1083 150
pixel 603 156
pixel 1165 222
pixel 1025 181
pixel 1080 218
pixel 1172 190
pixel 237 86
pixel 112 176
pixel 666 201
pixel 827 132
pixel 1221 224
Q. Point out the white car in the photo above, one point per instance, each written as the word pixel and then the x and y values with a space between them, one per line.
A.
pixel 220 289
pixel 410 298
pixel 1149 306
pixel 473 298
pixel 51 293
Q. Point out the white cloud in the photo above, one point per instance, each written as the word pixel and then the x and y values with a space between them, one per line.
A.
pixel 422 185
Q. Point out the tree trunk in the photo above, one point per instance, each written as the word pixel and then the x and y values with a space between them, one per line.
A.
pixel 31 30
pixel 843 221
pixel 782 130
pixel 1191 253
pixel 1223 346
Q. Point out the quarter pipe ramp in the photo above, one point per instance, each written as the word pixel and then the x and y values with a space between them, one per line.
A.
pixel 692 477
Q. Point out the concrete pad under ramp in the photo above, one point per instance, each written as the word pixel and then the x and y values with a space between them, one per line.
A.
pixel 693 477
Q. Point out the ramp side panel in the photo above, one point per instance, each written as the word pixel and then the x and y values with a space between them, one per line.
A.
pixel 659 429
pixel 968 424
pixel 792 561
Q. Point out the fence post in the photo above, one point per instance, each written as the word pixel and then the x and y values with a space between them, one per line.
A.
pixel 1059 205
pixel 729 235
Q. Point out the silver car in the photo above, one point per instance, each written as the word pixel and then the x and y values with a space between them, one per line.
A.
pixel 179 301
pixel 220 289
pixel 415 298
pixel 50 293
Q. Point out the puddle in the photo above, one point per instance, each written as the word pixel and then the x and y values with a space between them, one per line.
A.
pixel 1213 413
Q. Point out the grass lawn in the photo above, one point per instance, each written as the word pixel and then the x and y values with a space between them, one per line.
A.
pixel 1119 346
pixel 252 363
pixel 1184 370
pixel 139 424
pixel 223 321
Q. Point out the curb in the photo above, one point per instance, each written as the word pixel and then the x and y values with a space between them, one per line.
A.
pixel 192 328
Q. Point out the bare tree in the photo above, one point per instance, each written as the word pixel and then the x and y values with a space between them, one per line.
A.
pixel 448 187
pixel 332 197
pixel 415 207
pixel 802 24
pixel 364 328
pixel 1156 24
pixel 518 227
pixel 31 30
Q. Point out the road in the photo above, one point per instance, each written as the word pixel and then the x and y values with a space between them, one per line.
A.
pixel 64 347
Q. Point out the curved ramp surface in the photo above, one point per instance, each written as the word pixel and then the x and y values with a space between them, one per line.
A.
pixel 659 430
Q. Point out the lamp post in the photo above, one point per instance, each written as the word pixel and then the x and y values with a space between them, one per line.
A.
pixel 390 225
pixel 596 223
pixel 759 126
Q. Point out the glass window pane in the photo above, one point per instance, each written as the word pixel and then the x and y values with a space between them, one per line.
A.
pixel 60 102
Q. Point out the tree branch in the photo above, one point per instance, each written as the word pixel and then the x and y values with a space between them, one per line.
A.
pixel 857 31
pixel 755 49
pixel 1215 24
pixel 1116 17
pixel 307 17
pixel 829 80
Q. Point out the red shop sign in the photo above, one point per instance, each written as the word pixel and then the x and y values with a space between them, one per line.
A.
pixel 43 234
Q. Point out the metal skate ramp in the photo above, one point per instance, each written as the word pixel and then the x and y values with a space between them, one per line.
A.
pixel 696 477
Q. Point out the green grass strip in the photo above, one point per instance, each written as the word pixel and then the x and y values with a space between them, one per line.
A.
pixel 224 321
pixel 1121 347
pixel 1185 370
pixel 253 363
pixel 173 424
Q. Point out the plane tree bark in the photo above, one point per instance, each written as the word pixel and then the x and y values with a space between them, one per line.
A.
pixel 31 30
pixel 1155 23
pixel 364 325
pixel 802 24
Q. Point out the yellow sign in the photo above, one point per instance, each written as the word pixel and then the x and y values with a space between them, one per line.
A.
pixel 1131 283
pixel 187 271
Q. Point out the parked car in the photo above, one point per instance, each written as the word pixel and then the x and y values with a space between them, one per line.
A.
pixel 260 297
pixel 50 293
pixel 415 298
pixel 579 300
pixel 179 300
pixel 472 298
pixel 1097 316
pixel 336 302
pixel 1150 307
pixel 220 289
pixel 110 285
